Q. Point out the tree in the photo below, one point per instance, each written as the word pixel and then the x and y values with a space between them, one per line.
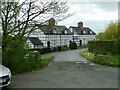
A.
pixel 18 16
pixel 18 19
pixel 100 36
pixel 110 33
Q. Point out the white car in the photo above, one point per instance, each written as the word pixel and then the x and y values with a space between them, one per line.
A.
pixel 5 76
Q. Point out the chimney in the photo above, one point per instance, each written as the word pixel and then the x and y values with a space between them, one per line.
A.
pixel 80 25
pixel 51 22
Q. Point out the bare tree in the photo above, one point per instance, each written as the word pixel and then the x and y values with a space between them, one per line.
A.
pixel 20 18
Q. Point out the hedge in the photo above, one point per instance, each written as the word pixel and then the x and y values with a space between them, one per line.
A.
pixel 104 47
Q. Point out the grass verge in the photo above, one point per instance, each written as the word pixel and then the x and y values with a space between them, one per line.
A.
pixel 30 65
pixel 108 60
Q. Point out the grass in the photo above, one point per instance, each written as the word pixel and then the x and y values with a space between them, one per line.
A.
pixel 87 55
pixel 30 65
pixel 108 60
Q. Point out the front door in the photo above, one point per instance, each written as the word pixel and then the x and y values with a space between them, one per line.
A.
pixel 80 43
pixel 48 44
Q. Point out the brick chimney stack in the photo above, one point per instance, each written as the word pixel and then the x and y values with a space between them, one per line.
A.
pixel 51 22
pixel 80 25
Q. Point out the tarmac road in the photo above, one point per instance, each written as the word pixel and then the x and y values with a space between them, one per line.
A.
pixel 68 70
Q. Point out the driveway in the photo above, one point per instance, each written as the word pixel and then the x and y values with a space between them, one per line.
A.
pixel 68 70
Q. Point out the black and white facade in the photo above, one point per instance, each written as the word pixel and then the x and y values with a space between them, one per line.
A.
pixel 82 34
pixel 59 36
pixel 54 35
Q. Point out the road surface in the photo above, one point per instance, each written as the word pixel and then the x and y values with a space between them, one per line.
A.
pixel 68 70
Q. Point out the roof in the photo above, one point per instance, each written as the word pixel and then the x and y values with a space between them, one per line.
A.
pixel 35 40
pixel 55 30
pixel 84 31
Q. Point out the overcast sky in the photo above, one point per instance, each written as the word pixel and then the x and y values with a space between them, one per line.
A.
pixel 94 14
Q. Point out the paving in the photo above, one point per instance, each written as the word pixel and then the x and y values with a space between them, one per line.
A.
pixel 68 70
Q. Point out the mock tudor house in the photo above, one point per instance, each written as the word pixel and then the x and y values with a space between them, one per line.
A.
pixel 82 34
pixel 51 35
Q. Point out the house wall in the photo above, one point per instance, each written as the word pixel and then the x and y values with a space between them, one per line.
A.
pixel 56 41
pixel 84 39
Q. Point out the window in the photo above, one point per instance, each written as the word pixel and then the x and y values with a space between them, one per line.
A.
pixel 54 31
pixel 71 29
pixel 54 42
pixel 76 38
pixel 84 32
pixel 65 32
pixel 90 32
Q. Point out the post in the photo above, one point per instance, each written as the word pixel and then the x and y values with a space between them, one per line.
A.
pixel 36 55
pixel 60 42
pixel 84 41
pixel 73 36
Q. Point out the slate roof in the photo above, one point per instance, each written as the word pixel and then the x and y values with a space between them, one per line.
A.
pixel 35 40
pixel 84 31
pixel 55 30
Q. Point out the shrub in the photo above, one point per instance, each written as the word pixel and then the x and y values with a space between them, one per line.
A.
pixel 30 65
pixel 65 47
pixel 59 48
pixel 13 51
pixel 72 45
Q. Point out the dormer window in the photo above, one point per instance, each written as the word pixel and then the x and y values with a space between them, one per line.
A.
pixel 71 30
pixel 90 32
pixel 62 31
pixel 65 32
pixel 54 31
pixel 84 32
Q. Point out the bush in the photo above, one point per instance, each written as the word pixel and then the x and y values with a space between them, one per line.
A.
pixel 13 51
pixel 104 47
pixel 30 65
pixel 65 47
pixel 72 45
pixel 59 48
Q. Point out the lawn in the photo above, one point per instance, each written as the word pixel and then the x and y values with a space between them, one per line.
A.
pixel 108 60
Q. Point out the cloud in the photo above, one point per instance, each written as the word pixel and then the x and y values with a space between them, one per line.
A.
pixel 95 11
pixel 93 1
pixel 95 15
pixel 107 6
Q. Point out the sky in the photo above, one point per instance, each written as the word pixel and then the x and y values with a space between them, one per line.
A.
pixel 95 14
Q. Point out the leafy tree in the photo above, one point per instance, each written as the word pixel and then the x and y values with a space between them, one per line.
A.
pixel 100 36
pixel 18 19
pixel 110 33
